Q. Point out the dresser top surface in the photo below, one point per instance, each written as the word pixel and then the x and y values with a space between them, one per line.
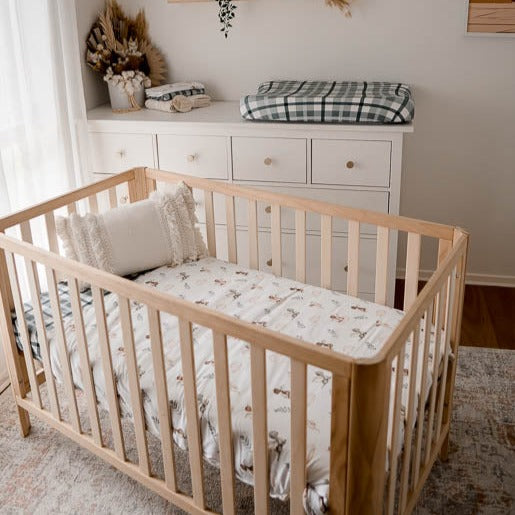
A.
pixel 220 113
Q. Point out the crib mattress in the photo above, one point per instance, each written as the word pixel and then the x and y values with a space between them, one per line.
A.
pixel 330 102
pixel 322 317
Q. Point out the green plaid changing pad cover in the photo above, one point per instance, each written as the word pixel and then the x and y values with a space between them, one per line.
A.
pixel 330 102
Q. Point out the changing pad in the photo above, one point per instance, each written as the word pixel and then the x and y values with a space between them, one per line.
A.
pixel 330 102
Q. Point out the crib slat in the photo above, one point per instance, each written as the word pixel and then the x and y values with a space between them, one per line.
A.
pixel 107 368
pixel 24 333
pixel 151 185
pixel 408 432
pixel 394 446
pixel 113 198
pixel 300 245
pixel 253 236
pixel 447 342
pixel 259 429
pixel 193 428
pixel 381 286
pixel 64 357
pixel 134 385
pixel 353 258
pixel 277 258
pixel 423 394
pixel 326 244
pixel 35 293
pixel 298 435
pixel 163 404
pixel 231 229
pixel 223 404
pixel 210 222
pixel 434 385
pixel 85 364
pixel 71 208
pixel 93 204
pixel 412 269
pixel 51 232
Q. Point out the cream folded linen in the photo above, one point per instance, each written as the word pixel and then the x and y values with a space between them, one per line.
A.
pixel 180 103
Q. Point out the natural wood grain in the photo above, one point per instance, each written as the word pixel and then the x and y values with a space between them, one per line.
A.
pixel 223 405
pixel 326 250
pixel 138 413
pixel 107 369
pixel 353 259
pixel 163 404
pixel 253 236
pixel 300 245
pixel 231 230
pixel 85 365
pixel 259 429
pixel 381 283
pixel 210 222
pixel 298 435
pixel 277 253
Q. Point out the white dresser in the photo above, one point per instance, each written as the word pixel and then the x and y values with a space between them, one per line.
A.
pixel 358 166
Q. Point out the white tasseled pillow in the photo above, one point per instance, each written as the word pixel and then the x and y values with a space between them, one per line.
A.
pixel 147 234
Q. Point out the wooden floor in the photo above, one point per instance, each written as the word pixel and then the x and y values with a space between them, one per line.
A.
pixel 488 315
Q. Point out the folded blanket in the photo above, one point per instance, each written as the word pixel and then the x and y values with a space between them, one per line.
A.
pixel 169 91
pixel 179 103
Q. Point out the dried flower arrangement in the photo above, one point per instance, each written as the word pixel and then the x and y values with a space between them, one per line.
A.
pixel 119 48
pixel 227 8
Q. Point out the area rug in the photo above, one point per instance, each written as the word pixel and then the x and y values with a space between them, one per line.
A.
pixel 47 473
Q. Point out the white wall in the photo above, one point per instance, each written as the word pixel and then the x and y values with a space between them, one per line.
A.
pixel 459 165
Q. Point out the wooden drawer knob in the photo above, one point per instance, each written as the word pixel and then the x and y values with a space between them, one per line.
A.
pixel 190 158
pixel 121 153
pixel 269 262
pixel 123 199
pixel 268 161
pixel 350 165
pixel 346 268
pixel 268 209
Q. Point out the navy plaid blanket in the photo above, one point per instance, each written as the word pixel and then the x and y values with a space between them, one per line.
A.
pixel 330 102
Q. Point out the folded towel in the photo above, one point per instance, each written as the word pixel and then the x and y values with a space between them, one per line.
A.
pixel 179 103
pixel 169 91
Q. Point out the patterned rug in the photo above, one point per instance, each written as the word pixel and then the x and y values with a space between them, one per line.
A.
pixel 47 473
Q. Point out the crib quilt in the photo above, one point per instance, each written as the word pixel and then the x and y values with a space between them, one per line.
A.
pixel 316 315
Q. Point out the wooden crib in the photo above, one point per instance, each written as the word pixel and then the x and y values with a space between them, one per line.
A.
pixel 368 474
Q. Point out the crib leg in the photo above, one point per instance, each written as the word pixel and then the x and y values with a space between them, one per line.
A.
pixel 24 421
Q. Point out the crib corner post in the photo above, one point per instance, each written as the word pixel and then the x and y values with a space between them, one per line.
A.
pixel 15 363
pixel 139 186
pixel 368 428
pixel 457 307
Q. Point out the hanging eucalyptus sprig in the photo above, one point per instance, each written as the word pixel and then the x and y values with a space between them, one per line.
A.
pixel 226 15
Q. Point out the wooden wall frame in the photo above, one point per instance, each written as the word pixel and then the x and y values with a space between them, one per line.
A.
pixel 490 17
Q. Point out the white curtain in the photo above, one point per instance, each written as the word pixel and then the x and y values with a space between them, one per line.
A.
pixel 42 111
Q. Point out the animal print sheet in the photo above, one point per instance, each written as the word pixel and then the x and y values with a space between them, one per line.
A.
pixel 322 317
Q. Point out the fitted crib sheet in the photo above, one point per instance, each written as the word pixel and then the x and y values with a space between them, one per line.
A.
pixel 330 319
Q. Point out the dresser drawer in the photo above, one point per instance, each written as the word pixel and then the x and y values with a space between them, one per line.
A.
pixel 201 156
pixel 269 159
pixel 116 152
pixel 349 162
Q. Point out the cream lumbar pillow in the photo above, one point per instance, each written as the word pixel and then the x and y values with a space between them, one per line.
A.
pixel 128 239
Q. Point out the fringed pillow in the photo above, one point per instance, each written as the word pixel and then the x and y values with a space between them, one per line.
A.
pixel 141 236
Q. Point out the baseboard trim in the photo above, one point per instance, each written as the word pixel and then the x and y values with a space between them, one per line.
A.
pixel 507 281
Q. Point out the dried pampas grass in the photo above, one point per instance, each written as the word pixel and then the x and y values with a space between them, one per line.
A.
pixel 121 43
pixel 343 5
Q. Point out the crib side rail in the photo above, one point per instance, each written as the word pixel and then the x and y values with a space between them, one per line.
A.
pixel 62 411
